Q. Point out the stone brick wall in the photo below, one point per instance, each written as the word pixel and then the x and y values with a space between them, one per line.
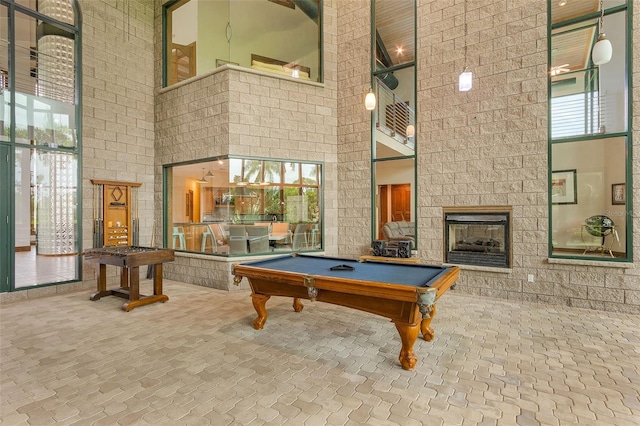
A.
pixel 480 148
pixel 354 128
pixel 245 112
pixel 485 147
pixel 118 106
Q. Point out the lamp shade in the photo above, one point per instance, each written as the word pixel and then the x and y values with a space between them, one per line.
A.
pixel 465 81
pixel 602 51
pixel 411 131
pixel 370 100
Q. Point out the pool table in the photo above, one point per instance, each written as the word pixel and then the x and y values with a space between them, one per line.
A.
pixel 404 293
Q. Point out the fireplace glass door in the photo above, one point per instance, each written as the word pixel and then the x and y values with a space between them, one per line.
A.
pixel 478 239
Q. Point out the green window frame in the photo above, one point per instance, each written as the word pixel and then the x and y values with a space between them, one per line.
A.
pixel 204 199
pixel 394 139
pixel 590 137
pixel 41 136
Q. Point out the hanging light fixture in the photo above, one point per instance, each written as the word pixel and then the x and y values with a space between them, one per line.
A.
pixel 465 80
pixel 370 100
pixel 411 131
pixel 209 175
pixel 602 50
pixel 202 179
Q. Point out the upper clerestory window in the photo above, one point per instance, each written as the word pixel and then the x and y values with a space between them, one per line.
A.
pixel 276 36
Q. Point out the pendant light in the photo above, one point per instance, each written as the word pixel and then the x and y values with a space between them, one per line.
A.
pixel 465 80
pixel 209 175
pixel 370 100
pixel 411 131
pixel 202 180
pixel 602 51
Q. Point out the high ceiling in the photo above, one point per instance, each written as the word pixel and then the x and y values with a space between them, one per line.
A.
pixel 571 45
pixel 570 49
pixel 395 25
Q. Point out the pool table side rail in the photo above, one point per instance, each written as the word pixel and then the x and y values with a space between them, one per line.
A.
pixel 348 285
pixel 401 311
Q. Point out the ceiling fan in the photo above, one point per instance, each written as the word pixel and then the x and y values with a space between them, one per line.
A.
pixel 560 69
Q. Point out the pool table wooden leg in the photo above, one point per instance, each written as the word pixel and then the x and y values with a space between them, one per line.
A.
pixel 408 335
pixel 425 326
pixel 297 304
pixel 259 301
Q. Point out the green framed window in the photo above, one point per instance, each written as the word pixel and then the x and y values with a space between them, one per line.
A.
pixel 589 131
pixel 282 37
pixel 394 133
pixel 243 206
pixel 40 131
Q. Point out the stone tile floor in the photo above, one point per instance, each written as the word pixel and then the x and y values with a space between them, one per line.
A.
pixel 196 360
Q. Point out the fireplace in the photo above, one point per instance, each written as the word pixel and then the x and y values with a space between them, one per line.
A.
pixel 478 236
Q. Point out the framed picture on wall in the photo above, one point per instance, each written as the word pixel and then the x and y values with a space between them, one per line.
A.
pixel 564 188
pixel 618 194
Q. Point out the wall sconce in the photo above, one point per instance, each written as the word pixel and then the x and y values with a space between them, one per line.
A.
pixel 295 73
pixel 370 100
pixel 602 50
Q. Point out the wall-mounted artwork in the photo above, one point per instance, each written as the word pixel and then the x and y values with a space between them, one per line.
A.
pixel 564 187
pixel 618 196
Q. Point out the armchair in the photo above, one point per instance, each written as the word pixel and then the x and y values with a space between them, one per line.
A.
pixel 237 239
pixel 300 239
pixel 258 239
pixel 399 231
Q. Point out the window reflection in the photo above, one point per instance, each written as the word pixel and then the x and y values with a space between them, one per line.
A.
pixel 276 36
pixel 395 187
pixel 44 140
pixel 240 203
pixel 587 181
pixel 394 120
pixel 588 187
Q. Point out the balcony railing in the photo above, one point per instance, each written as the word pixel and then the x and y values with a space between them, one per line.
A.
pixel 394 116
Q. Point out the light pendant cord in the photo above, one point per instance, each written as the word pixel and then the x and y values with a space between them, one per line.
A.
pixel 601 16
pixel 465 33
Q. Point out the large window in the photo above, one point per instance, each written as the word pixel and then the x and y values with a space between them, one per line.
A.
pixel 39 68
pixel 590 139
pixel 244 206
pixel 276 36
pixel 394 116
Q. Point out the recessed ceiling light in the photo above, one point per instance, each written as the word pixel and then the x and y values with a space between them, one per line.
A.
pixel 562 3
pixel 399 50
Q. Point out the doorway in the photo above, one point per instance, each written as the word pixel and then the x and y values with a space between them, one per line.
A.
pixel 395 204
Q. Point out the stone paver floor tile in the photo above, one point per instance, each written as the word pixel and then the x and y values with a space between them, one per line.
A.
pixel 197 360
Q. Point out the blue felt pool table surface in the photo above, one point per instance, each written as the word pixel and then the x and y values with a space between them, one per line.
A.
pixel 416 275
